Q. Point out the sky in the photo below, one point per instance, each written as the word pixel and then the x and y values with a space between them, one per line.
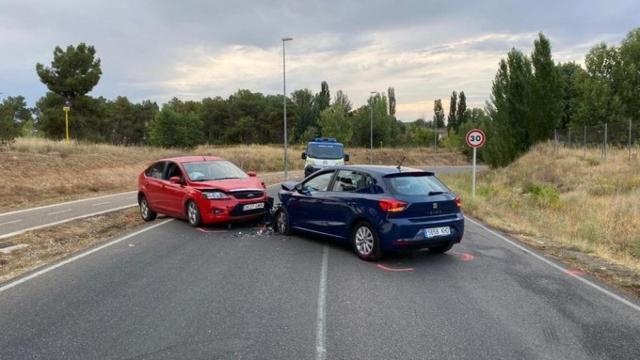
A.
pixel 194 49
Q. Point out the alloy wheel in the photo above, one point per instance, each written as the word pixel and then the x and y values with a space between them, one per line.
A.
pixel 192 213
pixel 364 241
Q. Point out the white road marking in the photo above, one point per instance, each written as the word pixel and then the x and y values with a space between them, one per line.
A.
pixel 102 203
pixel 11 222
pixel 321 349
pixel 79 256
pixel 552 264
pixel 4 236
pixel 59 212
pixel 65 203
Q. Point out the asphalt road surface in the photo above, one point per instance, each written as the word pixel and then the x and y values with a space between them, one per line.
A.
pixel 17 222
pixel 171 291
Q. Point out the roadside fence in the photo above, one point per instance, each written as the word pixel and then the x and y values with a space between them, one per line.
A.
pixel 618 135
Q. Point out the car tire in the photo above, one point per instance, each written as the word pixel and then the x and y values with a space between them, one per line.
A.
pixel 282 225
pixel 365 241
pixel 442 248
pixel 193 214
pixel 145 211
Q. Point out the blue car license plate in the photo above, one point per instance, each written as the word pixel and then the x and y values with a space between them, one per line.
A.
pixel 436 232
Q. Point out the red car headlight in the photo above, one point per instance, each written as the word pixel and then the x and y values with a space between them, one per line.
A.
pixel 215 195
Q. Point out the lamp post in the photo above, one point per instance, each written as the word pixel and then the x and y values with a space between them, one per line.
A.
pixel 284 93
pixel 66 108
pixel 371 127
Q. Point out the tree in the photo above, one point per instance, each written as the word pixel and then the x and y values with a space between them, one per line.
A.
pixel 546 93
pixel 214 114
pixel 451 119
pixel 570 73
pixel 172 129
pixel 323 98
pixel 461 115
pixel 73 72
pixel 13 113
pixel 343 100
pixel 334 123
pixel 392 101
pixel 438 114
pixel 629 74
pixel 304 110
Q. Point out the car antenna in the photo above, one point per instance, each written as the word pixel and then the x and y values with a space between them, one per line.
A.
pixel 400 165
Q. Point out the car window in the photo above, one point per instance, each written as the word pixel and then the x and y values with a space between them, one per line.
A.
pixel 417 185
pixel 173 170
pixel 156 170
pixel 318 183
pixel 213 170
pixel 353 181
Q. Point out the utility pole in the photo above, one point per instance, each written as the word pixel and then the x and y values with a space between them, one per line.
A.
pixel 284 96
pixel 66 108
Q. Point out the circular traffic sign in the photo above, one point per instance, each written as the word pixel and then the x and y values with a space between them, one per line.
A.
pixel 475 138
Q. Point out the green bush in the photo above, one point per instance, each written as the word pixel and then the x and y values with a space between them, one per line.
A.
pixel 544 195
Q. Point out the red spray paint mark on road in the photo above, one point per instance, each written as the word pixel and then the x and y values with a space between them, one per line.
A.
pixel 574 272
pixel 385 268
pixel 210 231
pixel 464 256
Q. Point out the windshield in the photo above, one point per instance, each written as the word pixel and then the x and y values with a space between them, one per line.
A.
pixel 325 151
pixel 417 185
pixel 213 170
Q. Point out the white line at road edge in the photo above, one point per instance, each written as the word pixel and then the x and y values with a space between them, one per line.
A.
pixel 79 256
pixel 321 350
pixel 65 203
pixel 549 262
pixel 4 236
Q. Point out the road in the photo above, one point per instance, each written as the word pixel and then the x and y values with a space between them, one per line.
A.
pixel 175 292
pixel 17 222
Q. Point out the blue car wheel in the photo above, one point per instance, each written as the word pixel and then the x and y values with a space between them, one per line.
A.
pixel 365 242
pixel 282 222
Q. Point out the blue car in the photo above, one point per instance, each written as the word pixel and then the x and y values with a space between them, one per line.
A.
pixel 376 209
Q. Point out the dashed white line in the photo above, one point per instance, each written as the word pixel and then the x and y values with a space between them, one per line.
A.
pixel 102 203
pixel 79 256
pixel 59 212
pixel 11 222
pixel 321 349
pixel 552 264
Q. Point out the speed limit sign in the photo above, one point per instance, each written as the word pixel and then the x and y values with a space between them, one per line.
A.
pixel 476 138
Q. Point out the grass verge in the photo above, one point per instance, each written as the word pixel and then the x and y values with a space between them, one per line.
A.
pixel 570 203
pixel 37 171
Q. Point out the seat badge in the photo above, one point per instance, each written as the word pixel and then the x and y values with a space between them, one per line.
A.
pixel 435 205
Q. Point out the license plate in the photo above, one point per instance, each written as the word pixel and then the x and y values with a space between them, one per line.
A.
pixel 253 206
pixel 435 232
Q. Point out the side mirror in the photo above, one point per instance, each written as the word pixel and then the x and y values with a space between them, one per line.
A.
pixel 288 185
pixel 303 156
pixel 299 188
pixel 175 180
pixel 346 157
pixel 252 173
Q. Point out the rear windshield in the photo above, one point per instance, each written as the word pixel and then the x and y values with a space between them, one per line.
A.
pixel 325 151
pixel 417 185
pixel 213 170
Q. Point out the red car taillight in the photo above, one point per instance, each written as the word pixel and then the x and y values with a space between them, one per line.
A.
pixel 458 201
pixel 392 205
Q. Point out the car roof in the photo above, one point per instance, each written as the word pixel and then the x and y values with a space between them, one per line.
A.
pixel 186 159
pixel 377 169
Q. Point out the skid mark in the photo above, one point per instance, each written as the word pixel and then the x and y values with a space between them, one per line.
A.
pixel 386 268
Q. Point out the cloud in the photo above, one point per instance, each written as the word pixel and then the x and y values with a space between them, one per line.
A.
pixel 191 49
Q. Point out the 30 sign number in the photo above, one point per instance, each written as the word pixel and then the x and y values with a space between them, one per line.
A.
pixel 476 138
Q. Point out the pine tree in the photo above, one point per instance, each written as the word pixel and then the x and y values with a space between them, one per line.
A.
pixel 451 119
pixel 461 116
pixel 546 92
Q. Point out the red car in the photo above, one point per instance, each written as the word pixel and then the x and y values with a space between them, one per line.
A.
pixel 201 189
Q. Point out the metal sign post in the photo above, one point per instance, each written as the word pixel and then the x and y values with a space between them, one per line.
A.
pixel 66 108
pixel 475 139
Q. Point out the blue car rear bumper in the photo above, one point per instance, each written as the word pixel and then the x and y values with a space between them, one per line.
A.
pixel 405 234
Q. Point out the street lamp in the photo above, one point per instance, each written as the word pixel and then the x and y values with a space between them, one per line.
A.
pixel 371 128
pixel 284 93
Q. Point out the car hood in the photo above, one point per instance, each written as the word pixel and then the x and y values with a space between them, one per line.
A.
pixel 230 184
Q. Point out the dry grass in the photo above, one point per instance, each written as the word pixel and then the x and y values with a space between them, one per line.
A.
pixel 37 171
pixel 572 203
pixel 52 244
